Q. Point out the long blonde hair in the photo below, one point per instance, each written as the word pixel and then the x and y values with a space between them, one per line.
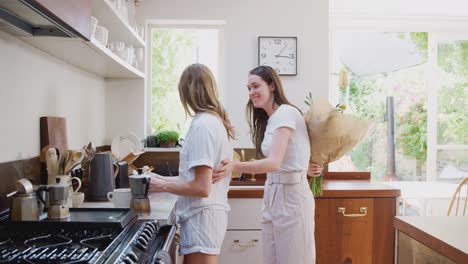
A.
pixel 257 117
pixel 198 93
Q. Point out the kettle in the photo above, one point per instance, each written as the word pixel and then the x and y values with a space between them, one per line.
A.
pixel 101 177
pixel 24 204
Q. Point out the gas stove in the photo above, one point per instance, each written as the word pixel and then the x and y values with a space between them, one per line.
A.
pixel 88 236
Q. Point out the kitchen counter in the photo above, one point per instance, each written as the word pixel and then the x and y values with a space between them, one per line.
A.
pixel 331 189
pixel 446 235
pixel 162 207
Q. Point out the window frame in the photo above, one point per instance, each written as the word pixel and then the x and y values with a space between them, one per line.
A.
pixel 437 27
pixel 152 24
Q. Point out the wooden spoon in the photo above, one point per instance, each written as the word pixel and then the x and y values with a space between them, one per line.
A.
pixel 63 161
pixel 75 158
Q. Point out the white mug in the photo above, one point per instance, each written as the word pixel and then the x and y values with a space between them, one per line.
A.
pixel 120 197
pixel 77 199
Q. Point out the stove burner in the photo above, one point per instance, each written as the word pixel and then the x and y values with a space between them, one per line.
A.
pixel 4 241
pixel 47 241
pixel 99 242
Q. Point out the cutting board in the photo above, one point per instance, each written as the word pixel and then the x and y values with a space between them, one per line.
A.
pixel 54 132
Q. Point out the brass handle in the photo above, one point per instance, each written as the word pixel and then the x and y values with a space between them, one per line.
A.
pixel 362 210
pixel 251 244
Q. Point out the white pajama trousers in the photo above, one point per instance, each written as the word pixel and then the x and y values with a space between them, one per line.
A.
pixel 288 219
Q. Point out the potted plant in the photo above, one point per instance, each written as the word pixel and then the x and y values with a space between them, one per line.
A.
pixel 168 138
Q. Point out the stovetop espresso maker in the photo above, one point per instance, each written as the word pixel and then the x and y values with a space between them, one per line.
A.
pixel 58 200
pixel 139 186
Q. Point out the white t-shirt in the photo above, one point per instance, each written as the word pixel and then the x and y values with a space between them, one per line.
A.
pixel 206 144
pixel 297 153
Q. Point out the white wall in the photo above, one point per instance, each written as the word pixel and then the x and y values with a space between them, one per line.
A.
pixel 245 21
pixel 400 7
pixel 35 84
pixel 125 108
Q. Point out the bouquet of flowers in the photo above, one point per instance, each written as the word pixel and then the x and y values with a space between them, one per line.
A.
pixel 332 134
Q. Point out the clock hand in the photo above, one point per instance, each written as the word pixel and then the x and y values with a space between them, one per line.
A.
pixel 280 56
pixel 282 50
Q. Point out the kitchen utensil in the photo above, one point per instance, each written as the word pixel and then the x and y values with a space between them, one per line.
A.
pixel 75 158
pixel 93 24
pixel 130 158
pixel 121 180
pixel 53 165
pixel 67 180
pixel 139 186
pixel 101 176
pixel 24 186
pixel 121 197
pixel 24 204
pixel 63 160
pixel 54 133
pixel 57 200
pixel 123 145
pixel 101 34
pixel 77 199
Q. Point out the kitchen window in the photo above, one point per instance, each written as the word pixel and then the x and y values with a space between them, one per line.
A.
pixel 426 75
pixel 173 48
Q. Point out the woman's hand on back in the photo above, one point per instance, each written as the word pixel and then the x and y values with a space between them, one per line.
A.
pixel 224 170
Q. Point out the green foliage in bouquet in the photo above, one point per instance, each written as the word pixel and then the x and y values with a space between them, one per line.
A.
pixel 316 185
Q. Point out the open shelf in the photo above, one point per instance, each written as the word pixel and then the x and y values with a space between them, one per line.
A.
pixel 119 29
pixel 90 56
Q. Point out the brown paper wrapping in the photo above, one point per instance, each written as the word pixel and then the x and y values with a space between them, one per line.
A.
pixel 332 134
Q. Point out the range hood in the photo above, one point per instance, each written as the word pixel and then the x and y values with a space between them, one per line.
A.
pixel 36 18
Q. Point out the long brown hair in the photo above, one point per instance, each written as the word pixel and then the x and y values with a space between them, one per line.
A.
pixel 257 117
pixel 198 92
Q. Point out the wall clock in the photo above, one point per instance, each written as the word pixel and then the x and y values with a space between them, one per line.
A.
pixel 280 53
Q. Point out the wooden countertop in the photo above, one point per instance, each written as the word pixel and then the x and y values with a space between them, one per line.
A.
pixel 331 189
pixel 447 235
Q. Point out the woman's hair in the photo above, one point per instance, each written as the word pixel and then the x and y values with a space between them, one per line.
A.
pixel 257 117
pixel 198 92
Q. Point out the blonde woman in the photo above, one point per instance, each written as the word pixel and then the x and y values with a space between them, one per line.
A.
pixel 202 206
pixel 280 136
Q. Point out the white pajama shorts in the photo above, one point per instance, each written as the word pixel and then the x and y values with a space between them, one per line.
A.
pixel 203 232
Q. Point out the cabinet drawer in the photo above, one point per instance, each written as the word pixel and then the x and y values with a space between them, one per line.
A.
pixel 241 247
pixel 355 230
pixel 246 213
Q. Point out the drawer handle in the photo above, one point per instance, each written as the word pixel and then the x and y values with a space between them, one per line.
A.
pixel 251 244
pixel 362 210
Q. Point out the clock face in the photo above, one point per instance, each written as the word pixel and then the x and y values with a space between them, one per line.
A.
pixel 279 53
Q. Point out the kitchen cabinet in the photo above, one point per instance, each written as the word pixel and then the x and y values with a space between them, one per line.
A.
pixel 353 220
pixel 432 239
pixel 242 243
pixel 354 223
pixel 241 246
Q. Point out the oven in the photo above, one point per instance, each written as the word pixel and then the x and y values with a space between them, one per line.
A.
pixel 89 235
